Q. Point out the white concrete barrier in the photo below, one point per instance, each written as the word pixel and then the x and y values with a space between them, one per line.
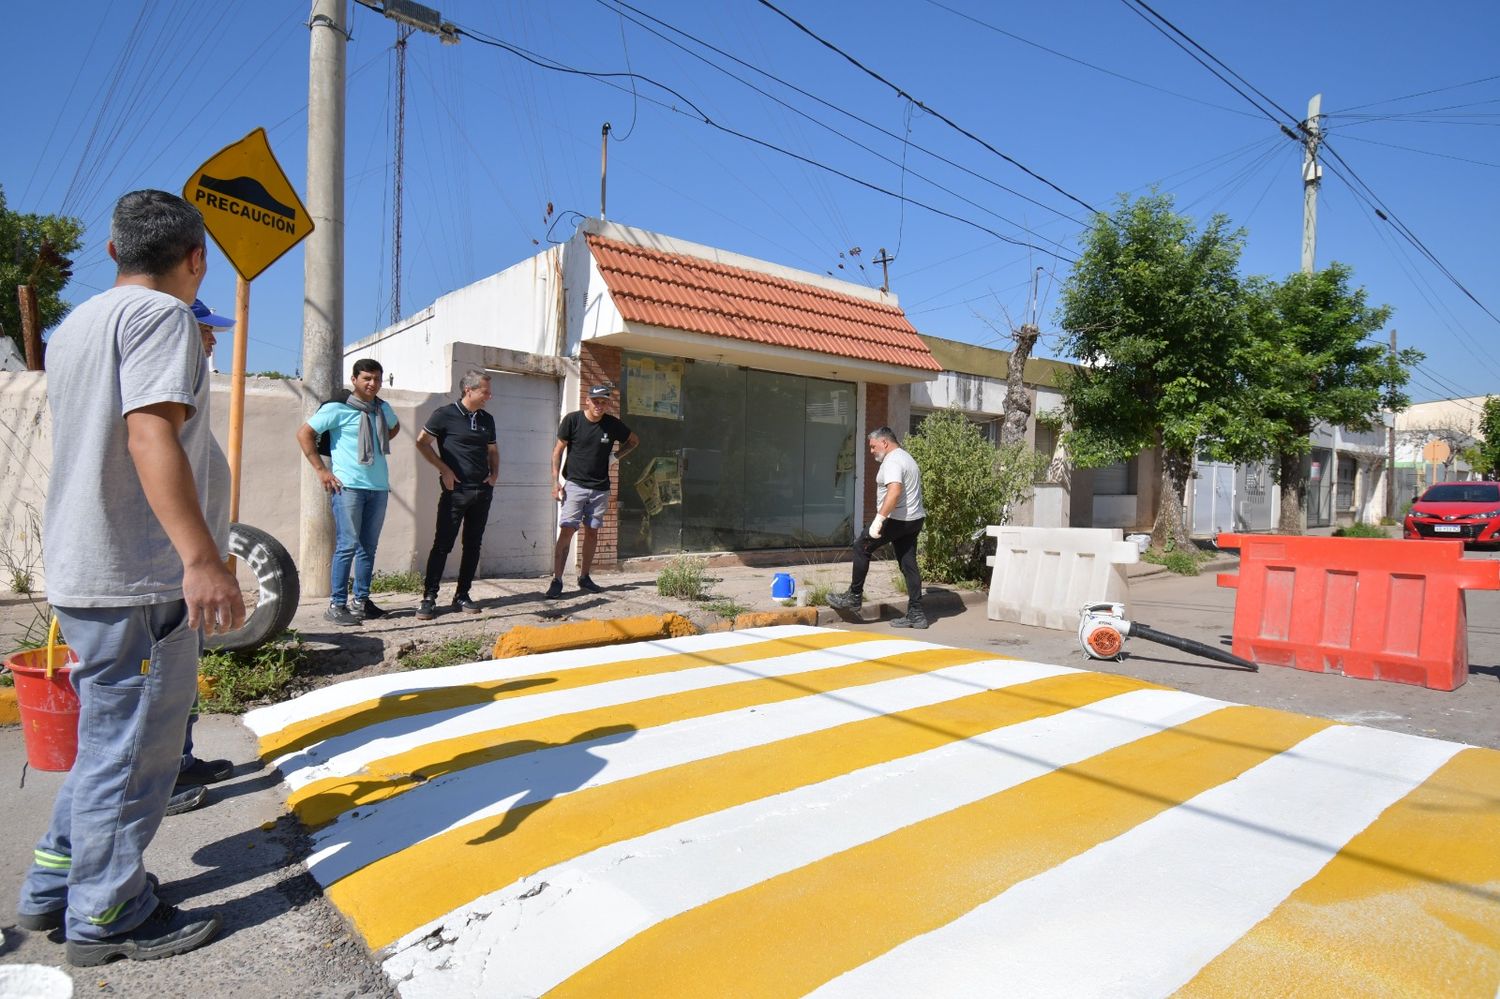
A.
pixel 1044 575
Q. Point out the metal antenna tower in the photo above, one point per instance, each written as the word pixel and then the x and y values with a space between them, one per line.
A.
pixel 403 32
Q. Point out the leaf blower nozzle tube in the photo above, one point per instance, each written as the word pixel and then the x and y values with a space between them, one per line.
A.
pixel 1138 630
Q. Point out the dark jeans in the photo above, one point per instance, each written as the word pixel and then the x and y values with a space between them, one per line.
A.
pixel 467 506
pixel 901 535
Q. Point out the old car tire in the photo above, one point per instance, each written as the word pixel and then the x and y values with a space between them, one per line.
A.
pixel 280 589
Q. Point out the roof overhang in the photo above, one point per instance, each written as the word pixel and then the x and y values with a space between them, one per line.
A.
pixel 750 354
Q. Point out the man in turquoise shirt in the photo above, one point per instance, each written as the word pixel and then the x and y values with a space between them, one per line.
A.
pixel 359 432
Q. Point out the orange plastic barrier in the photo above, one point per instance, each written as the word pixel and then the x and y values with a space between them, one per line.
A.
pixel 1368 608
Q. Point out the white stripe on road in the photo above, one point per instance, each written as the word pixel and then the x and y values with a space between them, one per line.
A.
pixel 273 718
pixel 352 752
pixel 373 831
pixel 1143 913
pixel 533 935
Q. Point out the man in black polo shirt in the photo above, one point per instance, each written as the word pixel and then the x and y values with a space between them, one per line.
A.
pixel 468 463
pixel 589 436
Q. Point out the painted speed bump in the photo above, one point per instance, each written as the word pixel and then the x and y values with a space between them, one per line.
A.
pixel 791 810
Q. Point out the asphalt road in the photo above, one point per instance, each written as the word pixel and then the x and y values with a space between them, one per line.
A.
pixel 243 855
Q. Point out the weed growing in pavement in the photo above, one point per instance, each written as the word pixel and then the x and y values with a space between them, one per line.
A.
pixel 238 679
pixel 899 582
pixel 396 582
pixel 725 607
pixel 22 556
pixel 818 592
pixel 449 653
pixel 685 577
pixel 1184 563
pixel 1360 531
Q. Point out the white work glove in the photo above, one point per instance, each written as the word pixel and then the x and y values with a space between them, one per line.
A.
pixel 876 525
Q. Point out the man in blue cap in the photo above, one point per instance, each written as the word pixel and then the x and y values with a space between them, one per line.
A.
pixel 209 323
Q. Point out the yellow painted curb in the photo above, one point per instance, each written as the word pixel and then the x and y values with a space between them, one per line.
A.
pixel 766 619
pixel 525 640
pixel 10 714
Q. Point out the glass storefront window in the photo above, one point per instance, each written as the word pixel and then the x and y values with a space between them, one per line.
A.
pixel 734 458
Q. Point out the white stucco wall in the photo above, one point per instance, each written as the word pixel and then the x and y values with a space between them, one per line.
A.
pixel 522 521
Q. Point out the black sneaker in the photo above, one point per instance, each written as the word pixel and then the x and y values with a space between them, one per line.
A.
pixel 204 772
pixel 915 617
pixel 185 799
pixel 587 583
pixel 371 611
pixel 45 922
pixel 846 601
pixel 340 615
pixel 555 590
pixel 427 609
pixel 465 605
pixel 166 932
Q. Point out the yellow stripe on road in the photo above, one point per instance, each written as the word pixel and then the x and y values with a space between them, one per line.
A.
pixel 789 934
pixel 322 801
pixel 1409 907
pixel 402 892
pixel 300 735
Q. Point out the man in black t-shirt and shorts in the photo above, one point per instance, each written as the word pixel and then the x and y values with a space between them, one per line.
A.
pixel 590 437
pixel 468 462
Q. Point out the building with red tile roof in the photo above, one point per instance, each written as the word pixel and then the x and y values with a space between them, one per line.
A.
pixel 751 386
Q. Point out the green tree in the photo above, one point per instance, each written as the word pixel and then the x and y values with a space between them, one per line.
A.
pixel 34 250
pixel 967 484
pixel 1484 455
pixel 1155 311
pixel 1310 359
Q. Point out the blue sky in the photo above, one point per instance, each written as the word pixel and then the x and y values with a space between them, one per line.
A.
pixel 138 95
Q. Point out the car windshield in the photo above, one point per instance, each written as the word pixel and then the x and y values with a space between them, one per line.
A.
pixel 1463 492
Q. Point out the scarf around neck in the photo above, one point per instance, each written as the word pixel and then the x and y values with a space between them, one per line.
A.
pixel 372 428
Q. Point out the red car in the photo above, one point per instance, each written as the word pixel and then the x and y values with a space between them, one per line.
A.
pixel 1465 511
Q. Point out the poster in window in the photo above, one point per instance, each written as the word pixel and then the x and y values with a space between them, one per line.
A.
pixel 653 388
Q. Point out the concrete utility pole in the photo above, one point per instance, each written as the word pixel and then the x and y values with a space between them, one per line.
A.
pixel 1312 175
pixel 323 271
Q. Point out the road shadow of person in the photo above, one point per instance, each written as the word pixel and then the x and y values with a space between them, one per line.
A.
pixel 560 768
pixel 398 713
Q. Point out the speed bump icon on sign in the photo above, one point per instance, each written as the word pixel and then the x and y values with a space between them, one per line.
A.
pixel 248 205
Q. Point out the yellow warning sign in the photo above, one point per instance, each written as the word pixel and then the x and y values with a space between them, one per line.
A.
pixel 249 206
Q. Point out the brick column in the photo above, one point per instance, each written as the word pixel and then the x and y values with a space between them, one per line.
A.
pixel 877 414
pixel 598 364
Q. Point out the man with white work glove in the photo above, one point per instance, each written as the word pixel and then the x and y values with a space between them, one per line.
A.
pixel 898 520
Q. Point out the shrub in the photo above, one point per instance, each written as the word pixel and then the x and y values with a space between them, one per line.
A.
pixel 239 678
pixel 967 484
pixel 449 653
pixel 1178 560
pixel 1360 531
pixel 396 582
pixel 685 577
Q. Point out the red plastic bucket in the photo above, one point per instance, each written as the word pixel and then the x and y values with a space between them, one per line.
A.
pixel 49 708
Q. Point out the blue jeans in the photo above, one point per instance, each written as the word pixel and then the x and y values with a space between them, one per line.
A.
pixel 136 678
pixel 358 515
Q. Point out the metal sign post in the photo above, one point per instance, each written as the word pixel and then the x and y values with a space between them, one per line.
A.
pixel 254 214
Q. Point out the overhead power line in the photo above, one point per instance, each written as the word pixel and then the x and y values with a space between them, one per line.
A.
pixel 1357 185
pixel 547 62
pixel 615 4
pixel 1420 93
pixel 1083 62
pixel 822 124
pixel 925 107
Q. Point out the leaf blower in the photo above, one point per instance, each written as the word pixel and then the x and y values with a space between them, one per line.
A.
pixel 1103 630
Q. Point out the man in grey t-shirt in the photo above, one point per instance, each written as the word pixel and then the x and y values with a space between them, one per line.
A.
pixel 899 514
pixel 131 547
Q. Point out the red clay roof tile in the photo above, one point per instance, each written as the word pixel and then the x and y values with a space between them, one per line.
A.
pixel 702 296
